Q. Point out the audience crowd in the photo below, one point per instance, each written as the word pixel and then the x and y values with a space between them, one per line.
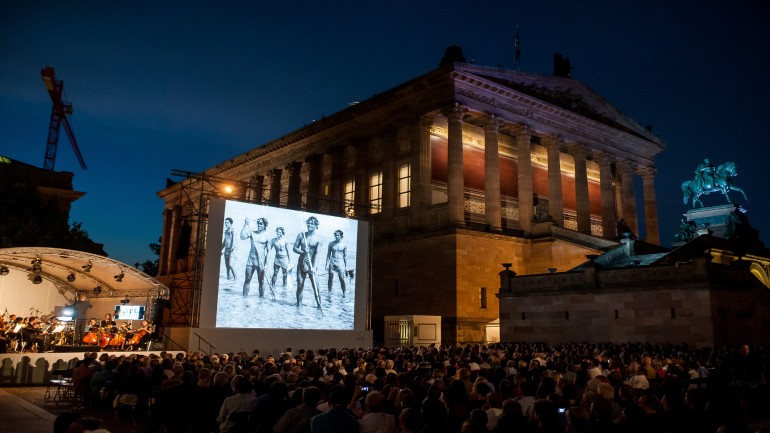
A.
pixel 501 387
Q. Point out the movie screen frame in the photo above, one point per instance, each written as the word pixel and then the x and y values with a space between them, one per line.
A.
pixel 339 248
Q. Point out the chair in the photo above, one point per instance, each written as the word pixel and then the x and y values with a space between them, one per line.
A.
pixel 126 402
pixel 62 380
pixel 54 383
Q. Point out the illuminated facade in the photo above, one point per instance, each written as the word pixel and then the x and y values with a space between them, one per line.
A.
pixel 457 171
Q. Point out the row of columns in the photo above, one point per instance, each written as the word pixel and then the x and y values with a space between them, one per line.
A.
pixel 553 144
pixel 614 201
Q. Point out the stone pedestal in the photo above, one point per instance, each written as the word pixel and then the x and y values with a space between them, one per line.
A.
pixel 711 220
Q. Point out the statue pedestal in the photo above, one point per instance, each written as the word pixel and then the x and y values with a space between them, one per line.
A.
pixel 711 220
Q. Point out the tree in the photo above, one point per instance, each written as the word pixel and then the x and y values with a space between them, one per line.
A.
pixel 150 267
pixel 29 220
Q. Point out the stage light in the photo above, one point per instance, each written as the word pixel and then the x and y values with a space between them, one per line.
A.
pixel 37 280
pixel 4 270
pixel 228 189
pixel 71 277
pixel 87 267
pixel 125 301
pixel 119 277
pixel 37 265
pixel 97 290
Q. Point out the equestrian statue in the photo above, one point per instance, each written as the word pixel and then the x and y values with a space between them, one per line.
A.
pixel 710 179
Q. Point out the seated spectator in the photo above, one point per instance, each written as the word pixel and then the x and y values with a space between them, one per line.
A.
pixel 243 401
pixel 638 379
pixel 410 421
pixel 338 419
pixel 512 418
pixel 375 420
pixel 476 423
pixel 297 419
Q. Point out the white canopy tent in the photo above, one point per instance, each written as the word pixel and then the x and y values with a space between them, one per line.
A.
pixel 39 278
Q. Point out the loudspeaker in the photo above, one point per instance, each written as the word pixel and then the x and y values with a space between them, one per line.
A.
pixel 69 348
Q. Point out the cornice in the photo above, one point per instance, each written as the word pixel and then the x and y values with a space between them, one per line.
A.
pixel 548 118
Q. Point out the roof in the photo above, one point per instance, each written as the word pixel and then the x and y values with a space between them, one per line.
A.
pixel 78 271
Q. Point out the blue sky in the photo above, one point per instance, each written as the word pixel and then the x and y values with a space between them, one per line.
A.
pixel 158 86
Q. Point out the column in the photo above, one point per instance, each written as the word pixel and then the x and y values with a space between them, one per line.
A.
pixel 165 246
pixel 176 233
pixel 555 197
pixel 389 177
pixel 362 180
pixel 650 206
pixel 582 205
pixel 294 201
pixel 609 222
pixel 492 174
pixel 526 195
pixel 335 186
pixel 275 187
pixel 259 186
pixel 629 198
pixel 455 180
pixel 421 189
pixel 313 182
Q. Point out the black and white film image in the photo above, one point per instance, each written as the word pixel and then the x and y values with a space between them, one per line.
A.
pixel 286 269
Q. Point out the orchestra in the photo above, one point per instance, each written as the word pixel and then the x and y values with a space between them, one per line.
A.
pixel 43 333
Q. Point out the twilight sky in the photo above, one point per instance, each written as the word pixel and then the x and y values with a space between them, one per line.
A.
pixel 158 86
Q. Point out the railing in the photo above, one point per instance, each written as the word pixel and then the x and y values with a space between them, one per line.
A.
pixel 169 344
pixel 201 339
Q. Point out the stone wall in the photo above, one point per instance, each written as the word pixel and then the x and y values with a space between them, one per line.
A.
pixel 656 316
pixel 443 274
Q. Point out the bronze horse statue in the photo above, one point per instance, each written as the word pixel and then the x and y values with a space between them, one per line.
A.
pixel 721 180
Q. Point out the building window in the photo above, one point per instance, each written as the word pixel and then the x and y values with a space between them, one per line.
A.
pixel 350 197
pixel 404 185
pixel 483 296
pixel 566 315
pixel 375 193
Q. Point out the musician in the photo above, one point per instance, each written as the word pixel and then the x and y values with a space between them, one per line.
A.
pixel 108 323
pixel 13 332
pixel 31 333
pixel 147 326
pixel 9 325
pixel 81 307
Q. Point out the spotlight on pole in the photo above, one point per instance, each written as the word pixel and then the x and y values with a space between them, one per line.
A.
pixel 87 267
pixel 71 277
pixel 4 270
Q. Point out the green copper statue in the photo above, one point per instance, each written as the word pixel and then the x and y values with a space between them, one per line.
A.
pixel 710 179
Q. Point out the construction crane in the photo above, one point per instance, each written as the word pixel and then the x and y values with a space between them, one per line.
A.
pixel 61 109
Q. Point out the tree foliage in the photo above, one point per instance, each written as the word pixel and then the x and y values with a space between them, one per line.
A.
pixel 28 220
pixel 150 267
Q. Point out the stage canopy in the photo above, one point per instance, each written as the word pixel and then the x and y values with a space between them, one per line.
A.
pixel 77 271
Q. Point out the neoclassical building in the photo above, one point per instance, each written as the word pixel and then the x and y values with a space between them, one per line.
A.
pixel 457 171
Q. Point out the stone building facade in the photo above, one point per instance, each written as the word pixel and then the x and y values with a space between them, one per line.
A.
pixel 703 294
pixel 457 171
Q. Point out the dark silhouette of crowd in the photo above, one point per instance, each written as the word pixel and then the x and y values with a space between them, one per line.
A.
pixel 500 387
